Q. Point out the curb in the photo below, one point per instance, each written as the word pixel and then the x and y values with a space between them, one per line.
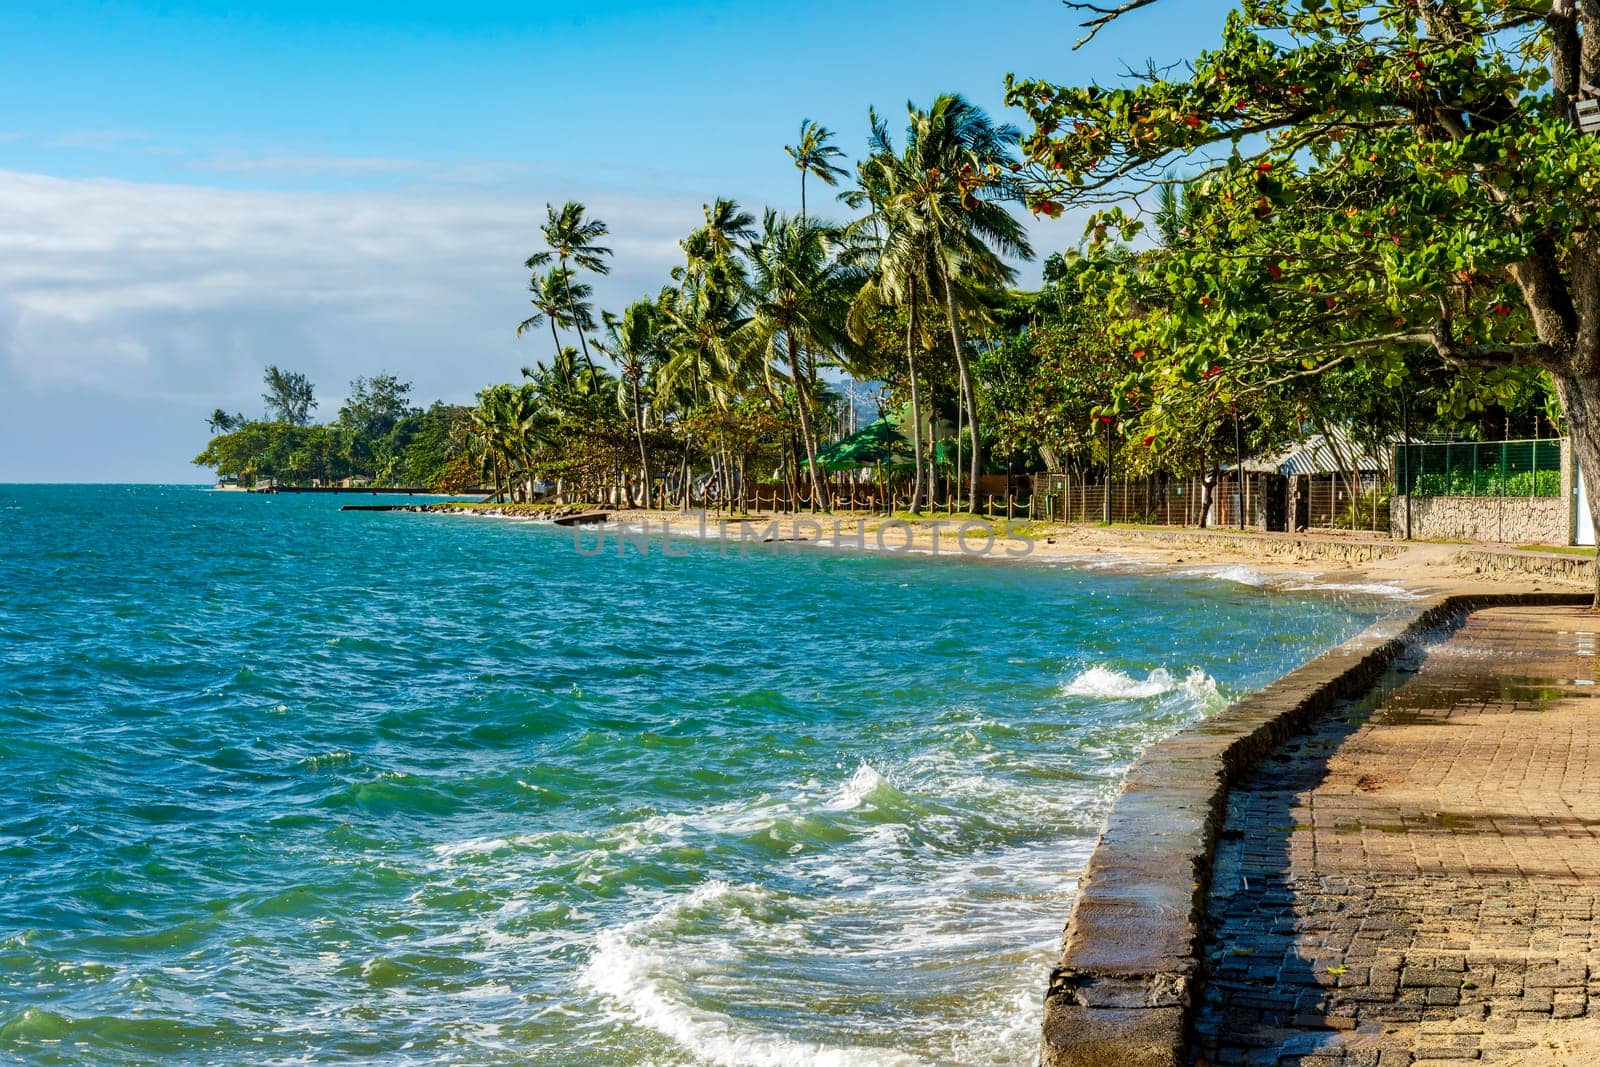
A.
pixel 1123 988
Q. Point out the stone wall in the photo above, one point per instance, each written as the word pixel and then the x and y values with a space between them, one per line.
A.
pixel 1516 520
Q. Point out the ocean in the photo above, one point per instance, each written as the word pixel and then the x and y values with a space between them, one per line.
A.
pixel 281 784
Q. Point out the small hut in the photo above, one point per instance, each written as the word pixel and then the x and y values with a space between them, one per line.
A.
pixel 1325 481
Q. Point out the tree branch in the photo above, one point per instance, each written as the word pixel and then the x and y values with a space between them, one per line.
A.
pixel 1102 16
pixel 1501 356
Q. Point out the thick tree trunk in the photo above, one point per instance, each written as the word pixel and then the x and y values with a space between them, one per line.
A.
pixel 969 396
pixel 1580 402
pixel 916 400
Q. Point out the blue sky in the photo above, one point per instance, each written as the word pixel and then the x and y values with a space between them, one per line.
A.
pixel 191 190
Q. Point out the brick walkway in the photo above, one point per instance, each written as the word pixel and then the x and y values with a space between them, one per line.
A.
pixel 1418 879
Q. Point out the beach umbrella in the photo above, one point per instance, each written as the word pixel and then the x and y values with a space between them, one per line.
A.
pixel 880 442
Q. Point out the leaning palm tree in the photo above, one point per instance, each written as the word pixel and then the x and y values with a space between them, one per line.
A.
pixel 800 296
pixel 814 154
pixel 573 239
pixel 951 194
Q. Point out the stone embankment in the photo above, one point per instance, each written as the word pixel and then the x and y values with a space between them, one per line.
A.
pixel 1148 939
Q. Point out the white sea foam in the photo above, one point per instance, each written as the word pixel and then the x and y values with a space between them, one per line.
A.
pixel 636 979
pixel 1240 575
pixel 1106 683
pixel 862 784
pixel 1109 684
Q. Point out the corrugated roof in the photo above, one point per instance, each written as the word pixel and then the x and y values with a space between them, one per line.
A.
pixel 1315 456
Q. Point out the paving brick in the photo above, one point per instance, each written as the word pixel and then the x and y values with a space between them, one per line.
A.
pixel 1419 874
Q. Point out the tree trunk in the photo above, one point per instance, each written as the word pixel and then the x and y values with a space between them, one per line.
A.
pixel 577 324
pixel 1580 402
pixel 644 454
pixel 916 400
pixel 686 478
pixel 968 395
pixel 806 436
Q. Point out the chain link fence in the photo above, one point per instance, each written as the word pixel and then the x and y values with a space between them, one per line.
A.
pixel 1479 468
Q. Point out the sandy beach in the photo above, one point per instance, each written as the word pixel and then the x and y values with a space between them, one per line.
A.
pixel 1296 562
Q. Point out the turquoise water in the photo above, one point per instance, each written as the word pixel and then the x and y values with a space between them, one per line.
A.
pixel 288 785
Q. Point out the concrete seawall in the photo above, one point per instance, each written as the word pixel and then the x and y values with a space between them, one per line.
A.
pixel 1123 990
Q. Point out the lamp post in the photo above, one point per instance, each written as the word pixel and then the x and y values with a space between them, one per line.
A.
pixel 1238 461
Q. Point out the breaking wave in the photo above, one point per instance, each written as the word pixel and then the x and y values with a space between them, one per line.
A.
pixel 1106 683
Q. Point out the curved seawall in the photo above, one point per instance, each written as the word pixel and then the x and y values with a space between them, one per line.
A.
pixel 1125 985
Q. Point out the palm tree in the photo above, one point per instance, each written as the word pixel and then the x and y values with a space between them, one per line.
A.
pixel 572 238
pixel 1176 210
pixel 634 341
pixel 221 421
pixel 904 265
pixel 814 154
pixel 504 432
pixel 950 191
pixel 700 316
pixel 800 297
pixel 716 245
pixel 561 302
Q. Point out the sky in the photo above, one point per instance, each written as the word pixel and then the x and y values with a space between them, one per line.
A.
pixel 192 189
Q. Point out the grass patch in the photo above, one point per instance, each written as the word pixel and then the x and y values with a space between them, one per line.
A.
pixel 1584 551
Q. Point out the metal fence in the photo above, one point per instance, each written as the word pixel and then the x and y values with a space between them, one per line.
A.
pixel 1479 468
pixel 1264 501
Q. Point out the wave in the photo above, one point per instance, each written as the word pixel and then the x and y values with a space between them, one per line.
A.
pixel 1240 575
pixel 866 784
pixel 635 979
pixel 1107 683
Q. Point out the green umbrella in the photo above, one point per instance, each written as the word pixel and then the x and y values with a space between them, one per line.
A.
pixel 880 442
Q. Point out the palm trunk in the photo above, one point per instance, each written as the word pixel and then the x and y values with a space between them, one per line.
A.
pixel 968 395
pixel 566 284
pixel 644 454
pixel 916 400
pixel 686 473
pixel 806 437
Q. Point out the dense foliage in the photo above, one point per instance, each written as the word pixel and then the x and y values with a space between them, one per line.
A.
pixel 1343 208
pixel 378 438
pixel 1395 189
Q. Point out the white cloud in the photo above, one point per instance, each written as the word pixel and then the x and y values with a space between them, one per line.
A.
pixel 185 292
